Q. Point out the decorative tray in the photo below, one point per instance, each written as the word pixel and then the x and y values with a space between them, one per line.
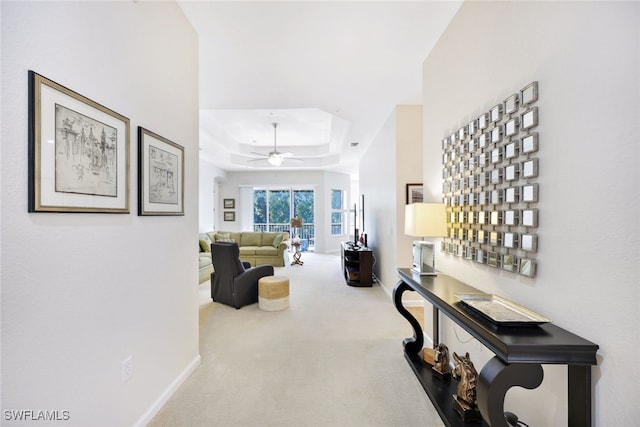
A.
pixel 501 311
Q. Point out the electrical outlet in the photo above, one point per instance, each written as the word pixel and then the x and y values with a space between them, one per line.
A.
pixel 127 369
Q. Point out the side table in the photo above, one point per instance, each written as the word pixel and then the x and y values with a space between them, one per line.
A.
pixel 297 254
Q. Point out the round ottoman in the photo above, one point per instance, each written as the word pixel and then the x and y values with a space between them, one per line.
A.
pixel 273 293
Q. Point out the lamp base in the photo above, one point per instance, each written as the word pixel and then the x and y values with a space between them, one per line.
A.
pixel 424 262
pixel 424 273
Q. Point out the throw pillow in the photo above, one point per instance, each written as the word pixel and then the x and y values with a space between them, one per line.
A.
pixel 205 242
pixel 277 240
pixel 226 240
pixel 220 236
pixel 204 246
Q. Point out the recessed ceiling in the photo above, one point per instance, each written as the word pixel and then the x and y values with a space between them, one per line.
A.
pixel 329 73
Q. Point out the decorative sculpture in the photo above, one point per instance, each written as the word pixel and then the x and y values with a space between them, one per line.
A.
pixel 464 402
pixel 441 366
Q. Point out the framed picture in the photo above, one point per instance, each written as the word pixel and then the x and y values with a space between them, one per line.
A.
pixel 229 203
pixel 160 175
pixel 230 216
pixel 78 152
pixel 414 193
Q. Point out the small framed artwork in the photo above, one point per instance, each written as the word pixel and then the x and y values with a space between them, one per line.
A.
pixel 414 193
pixel 230 216
pixel 229 203
pixel 160 175
pixel 78 152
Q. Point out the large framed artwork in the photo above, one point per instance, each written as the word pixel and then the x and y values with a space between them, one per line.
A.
pixel 160 175
pixel 78 152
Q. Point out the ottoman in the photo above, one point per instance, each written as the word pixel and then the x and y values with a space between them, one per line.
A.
pixel 273 293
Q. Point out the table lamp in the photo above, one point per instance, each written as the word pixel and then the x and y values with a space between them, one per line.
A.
pixel 425 220
pixel 296 223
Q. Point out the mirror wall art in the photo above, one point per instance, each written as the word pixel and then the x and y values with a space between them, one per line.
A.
pixel 489 176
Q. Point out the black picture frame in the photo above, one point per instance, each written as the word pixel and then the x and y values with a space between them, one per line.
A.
pixel 415 193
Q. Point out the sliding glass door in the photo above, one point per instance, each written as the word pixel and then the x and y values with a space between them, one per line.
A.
pixel 274 208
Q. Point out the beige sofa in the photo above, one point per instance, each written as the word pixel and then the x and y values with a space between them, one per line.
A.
pixel 256 247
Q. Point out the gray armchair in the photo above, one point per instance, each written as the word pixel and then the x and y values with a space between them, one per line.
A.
pixel 233 282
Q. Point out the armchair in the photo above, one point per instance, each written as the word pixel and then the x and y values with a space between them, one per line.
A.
pixel 234 282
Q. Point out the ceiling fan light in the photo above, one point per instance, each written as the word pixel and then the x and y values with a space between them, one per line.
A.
pixel 275 160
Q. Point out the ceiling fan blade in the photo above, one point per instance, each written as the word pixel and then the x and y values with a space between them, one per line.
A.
pixel 259 154
pixel 257 159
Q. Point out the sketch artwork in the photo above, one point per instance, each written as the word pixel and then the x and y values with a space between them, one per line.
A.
pixel 86 152
pixel 163 176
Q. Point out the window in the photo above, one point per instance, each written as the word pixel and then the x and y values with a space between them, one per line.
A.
pixel 274 208
pixel 338 213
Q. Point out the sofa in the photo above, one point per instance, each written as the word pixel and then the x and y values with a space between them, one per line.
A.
pixel 256 248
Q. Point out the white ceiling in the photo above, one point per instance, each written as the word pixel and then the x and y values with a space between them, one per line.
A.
pixel 329 73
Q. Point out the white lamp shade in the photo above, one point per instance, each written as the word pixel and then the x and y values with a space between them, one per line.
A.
pixel 425 220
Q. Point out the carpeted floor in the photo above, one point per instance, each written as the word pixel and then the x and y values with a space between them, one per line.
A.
pixel 333 358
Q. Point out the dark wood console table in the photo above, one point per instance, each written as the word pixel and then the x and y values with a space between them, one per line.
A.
pixel 520 352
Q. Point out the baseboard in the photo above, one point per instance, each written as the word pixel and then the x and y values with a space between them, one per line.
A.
pixel 166 395
pixel 406 303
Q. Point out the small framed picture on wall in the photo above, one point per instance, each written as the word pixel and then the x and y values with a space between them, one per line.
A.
pixel 230 216
pixel 414 193
pixel 229 203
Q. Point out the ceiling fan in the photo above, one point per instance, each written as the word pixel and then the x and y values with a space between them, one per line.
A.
pixel 274 157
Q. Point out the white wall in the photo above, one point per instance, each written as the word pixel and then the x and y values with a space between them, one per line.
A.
pixel 320 181
pixel 393 160
pixel 82 292
pixel 585 56
pixel 408 171
pixel 207 190
pixel 378 183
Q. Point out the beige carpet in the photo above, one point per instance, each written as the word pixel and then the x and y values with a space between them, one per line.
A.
pixel 333 358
